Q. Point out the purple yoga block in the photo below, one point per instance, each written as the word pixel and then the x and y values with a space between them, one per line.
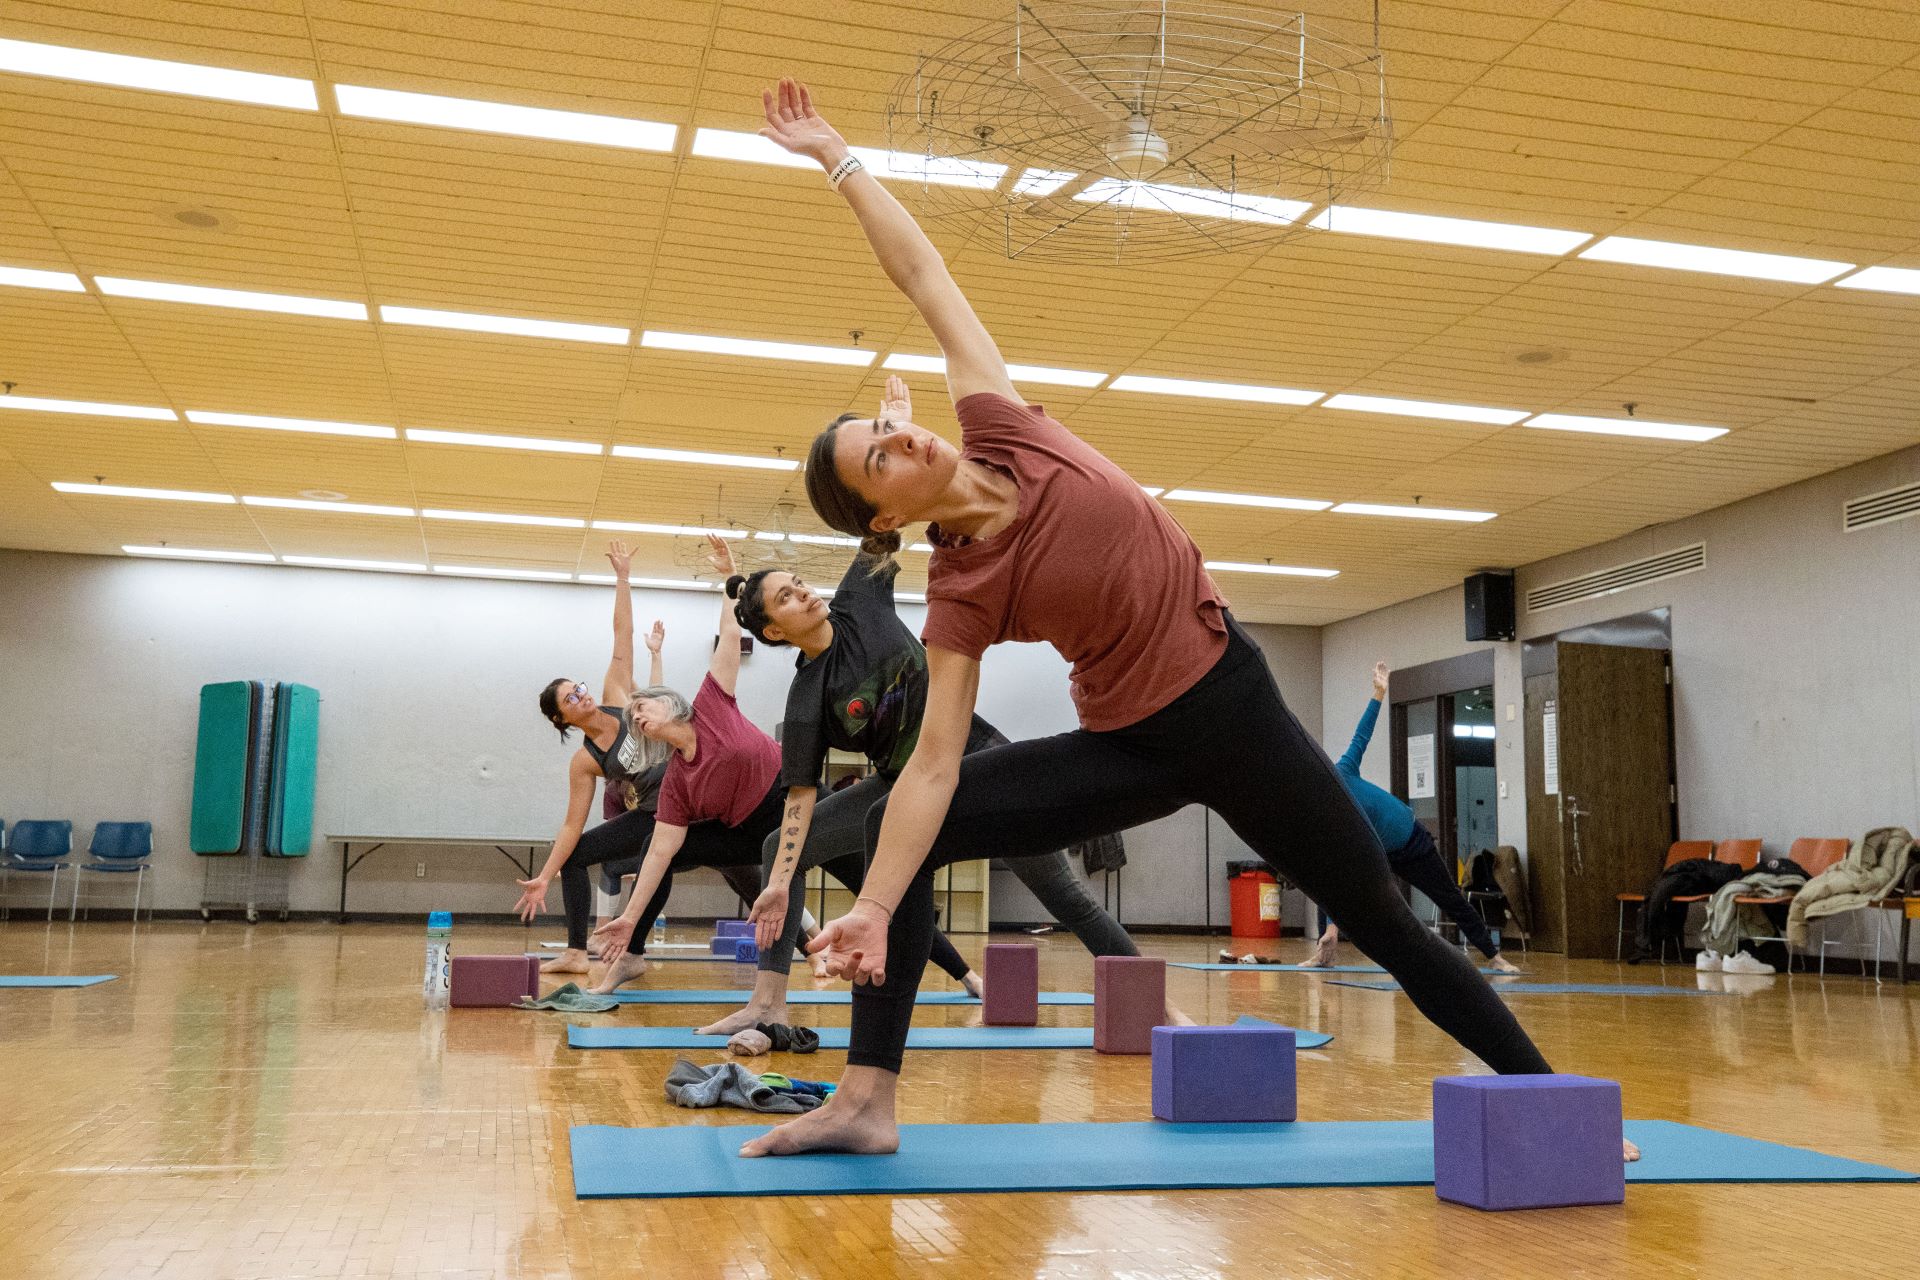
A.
pixel 723 945
pixel 1527 1142
pixel 1223 1075
pixel 1012 972
pixel 493 982
pixel 746 951
pixel 734 929
pixel 1129 1001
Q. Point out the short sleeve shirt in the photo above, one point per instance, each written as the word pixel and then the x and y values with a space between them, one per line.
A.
pixel 733 767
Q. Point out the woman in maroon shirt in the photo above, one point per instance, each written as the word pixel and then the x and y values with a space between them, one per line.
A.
pixel 1039 537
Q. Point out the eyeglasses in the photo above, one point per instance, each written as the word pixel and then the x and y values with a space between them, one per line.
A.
pixel 579 693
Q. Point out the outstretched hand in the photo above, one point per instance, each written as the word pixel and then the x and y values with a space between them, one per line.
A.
pixel 619 558
pixel 720 556
pixel 614 937
pixel 656 637
pixel 1380 681
pixel 533 899
pixel 897 402
pixel 855 946
pixel 769 915
pixel 793 124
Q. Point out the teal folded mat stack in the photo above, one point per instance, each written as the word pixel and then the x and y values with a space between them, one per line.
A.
pixel 254 767
pixel 296 756
pixel 223 768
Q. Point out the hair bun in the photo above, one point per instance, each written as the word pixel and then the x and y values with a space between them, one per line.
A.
pixel 734 584
pixel 881 544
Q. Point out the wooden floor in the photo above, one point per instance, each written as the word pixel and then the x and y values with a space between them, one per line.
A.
pixel 273 1102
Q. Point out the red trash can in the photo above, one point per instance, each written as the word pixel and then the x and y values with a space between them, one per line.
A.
pixel 1254 897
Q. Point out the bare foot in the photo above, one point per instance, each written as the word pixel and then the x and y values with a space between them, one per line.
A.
pixel 1321 958
pixel 1175 1018
pixel 745 1019
pixel 1500 964
pixel 820 970
pixel 624 970
pixel 861 1131
pixel 976 986
pixel 1628 1150
pixel 572 960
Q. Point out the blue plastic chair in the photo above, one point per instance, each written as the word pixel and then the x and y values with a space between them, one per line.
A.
pixel 37 847
pixel 118 848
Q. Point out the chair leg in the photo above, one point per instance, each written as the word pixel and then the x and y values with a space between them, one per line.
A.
pixel 74 905
pixel 1619 931
pixel 139 878
pixel 52 894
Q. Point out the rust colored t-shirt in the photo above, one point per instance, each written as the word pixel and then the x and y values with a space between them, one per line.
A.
pixel 1091 565
pixel 733 766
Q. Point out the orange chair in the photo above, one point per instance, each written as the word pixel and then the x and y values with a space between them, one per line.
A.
pixel 1679 851
pixel 1746 853
pixel 1813 853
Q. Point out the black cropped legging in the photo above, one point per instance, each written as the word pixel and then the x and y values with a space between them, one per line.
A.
pixel 1229 743
pixel 733 851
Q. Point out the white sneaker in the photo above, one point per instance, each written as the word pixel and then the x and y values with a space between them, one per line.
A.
pixel 1708 961
pixel 1745 962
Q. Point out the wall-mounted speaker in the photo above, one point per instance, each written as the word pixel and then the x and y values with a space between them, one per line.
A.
pixel 1490 606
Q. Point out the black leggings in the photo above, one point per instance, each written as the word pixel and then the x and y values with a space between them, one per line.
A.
pixel 1228 743
pixel 1421 866
pixel 733 851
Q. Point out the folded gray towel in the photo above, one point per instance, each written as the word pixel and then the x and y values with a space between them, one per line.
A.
pixel 728 1084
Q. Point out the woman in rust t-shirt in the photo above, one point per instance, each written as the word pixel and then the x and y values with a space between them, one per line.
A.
pixel 1040 538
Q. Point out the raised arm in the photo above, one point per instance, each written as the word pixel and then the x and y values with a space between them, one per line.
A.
pixel 617 934
pixel 856 943
pixel 725 667
pixel 1363 732
pixel 618 686
pixel 581 775
pixel 903 250
pixel 656 671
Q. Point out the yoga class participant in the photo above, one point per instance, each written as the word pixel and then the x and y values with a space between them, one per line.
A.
pixel 861 685
pixel 1040 538
pixel 1411 853
pixel 632 770
pixel 720 796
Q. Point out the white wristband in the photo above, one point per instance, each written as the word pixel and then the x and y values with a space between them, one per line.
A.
pixel 849 165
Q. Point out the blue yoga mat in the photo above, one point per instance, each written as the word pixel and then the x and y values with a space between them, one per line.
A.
pixel 1289 968
pixel 738 995
pixel 918 1038
pixel 702 958
pixel 1561 988
pixel 702 1160
pixel 34 980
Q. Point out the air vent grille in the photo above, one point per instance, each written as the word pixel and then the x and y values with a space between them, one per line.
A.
pixel 1881 508
pixel 1605 582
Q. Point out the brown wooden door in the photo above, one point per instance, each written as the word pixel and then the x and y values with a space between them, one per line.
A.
pixel 1601 813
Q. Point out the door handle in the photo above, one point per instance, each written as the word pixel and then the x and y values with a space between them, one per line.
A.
pixel 1574 811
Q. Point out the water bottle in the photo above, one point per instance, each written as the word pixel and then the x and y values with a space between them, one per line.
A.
pixel 659 932
pixel 439 975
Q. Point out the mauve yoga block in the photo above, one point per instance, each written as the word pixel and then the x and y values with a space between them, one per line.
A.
pixel 1527 1142
pixel 1223 1075
pixel 481 982
pixel 1129 1001
pixel 1012 972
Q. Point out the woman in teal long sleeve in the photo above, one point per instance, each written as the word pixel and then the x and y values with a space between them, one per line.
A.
pixel 1411 853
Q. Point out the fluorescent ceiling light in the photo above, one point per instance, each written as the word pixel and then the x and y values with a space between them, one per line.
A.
pixel 1426 409
pixel 1203 202
pixel 1213 390
pixel 475 571
pixel 472 322
pixel 1413 513
pixel 241 299
pixel 343 508
pixel 1719 262
pixel 63 63
pixel 1042 182
pixel 669 530
pixel 28 278
pixel 1021 372
pixel 377 566
pixel 675 584
pixel 492 517
pixel 1247 500
pixel 911 597
pixel 663 341
pixel 1152 491
pixel 186 553
pixel 1884 279
pixel 539 443
pixel 823 540
pixel 1623 427
pixel 315 425
pixel 501 117
pixel 905 166
pixel 161 495
pixel 1437 230
pixel 1292 571
pixel 694 455
pixel 91 407
pixel 1473 731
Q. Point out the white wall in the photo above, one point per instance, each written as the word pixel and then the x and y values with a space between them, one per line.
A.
pixel 429 723
pixel 1796 659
